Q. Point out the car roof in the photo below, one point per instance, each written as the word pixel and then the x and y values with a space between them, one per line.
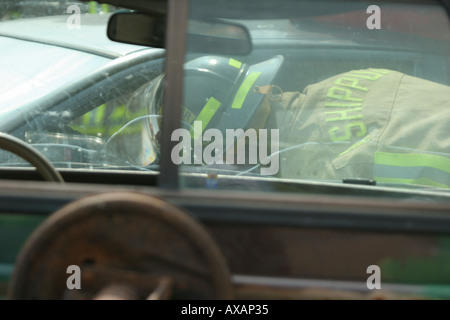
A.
pixel 30 70
pixel 38 55
pixel 54 30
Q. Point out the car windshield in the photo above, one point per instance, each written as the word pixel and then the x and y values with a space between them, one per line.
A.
pixel 352 94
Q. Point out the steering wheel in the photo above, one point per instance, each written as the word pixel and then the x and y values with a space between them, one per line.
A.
pixel 23 150
pixel 127 245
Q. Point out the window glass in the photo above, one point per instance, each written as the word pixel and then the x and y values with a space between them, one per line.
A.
pixel 332 92
pixel 77 97
pixel 275 92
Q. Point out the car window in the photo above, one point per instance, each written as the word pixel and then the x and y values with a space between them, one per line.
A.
pixel 352 93
pixel 347 92
pixel 69 91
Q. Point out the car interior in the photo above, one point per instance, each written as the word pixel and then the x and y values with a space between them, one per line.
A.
pixel 163 232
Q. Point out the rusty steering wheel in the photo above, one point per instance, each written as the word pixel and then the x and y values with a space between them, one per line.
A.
pixel 127 245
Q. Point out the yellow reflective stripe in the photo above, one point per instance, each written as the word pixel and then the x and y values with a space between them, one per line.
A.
pixel 419 181
pixel 92 7
pixel 205 116
pixel 244 89
pixel 413 160
pixel 94 122
pixel 118 113
pixel 105 7
pixel 99 114
pixel 86 117
pixel 235 63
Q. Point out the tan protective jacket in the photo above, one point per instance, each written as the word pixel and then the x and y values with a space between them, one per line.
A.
pixel 373 124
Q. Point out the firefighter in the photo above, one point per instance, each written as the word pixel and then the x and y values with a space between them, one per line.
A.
pixel 370 124
pixel 373 124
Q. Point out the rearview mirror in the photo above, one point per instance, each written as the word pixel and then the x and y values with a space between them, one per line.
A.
pixel 211 36
pixel 137 28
